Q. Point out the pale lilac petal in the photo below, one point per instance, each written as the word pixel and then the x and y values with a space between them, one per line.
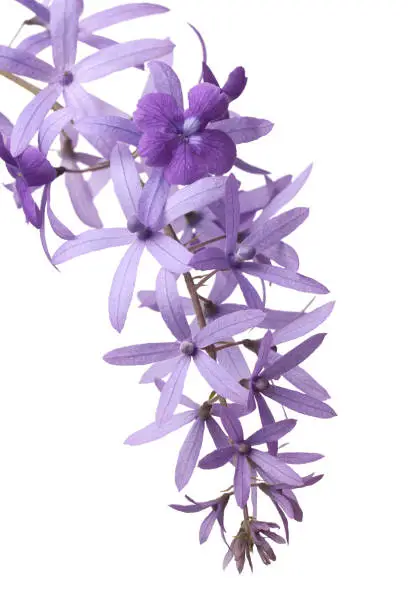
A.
pixel 126 180
pixel 111 129
pixel 6 127
pixel 275 469
pixel 169 253
pixel 242 480
pixel 142 354
pixel 172 391
pixel 204 192
pixel 118 57
pixel 245 167
pixel 264 353
pixel 224 285
pixel 214 150
pixel 294 357
pixel 243 129
pixel 90 241
pixel 232 424
pixel 232 213
pixel 271 432
pixel 25 64
pixel 184 400
pixel 299 458
pixel 284 255
pixel 206 103
pixel 219 438
pixel 148 300
pixel 208 75
pixel 82 199
pixel 32 117
pixel 189 453
pixel 154 432
pixel 206 526
pixel 64 33
pixel 52 127
pixel 275 319
pixel 284 277
pixel 219 379
pixel 95 41
pixel 306 383
pixel 170 305
pixel 123 285
pixel 37 8
pixel 217 458
pixel 36 43
pixel 227 326
pixel 118 14
pixel 166 81
pixel 27 202
pixel 300 403
pixel 285 196
pixel 277 228
pixel 58 227
pixel 210 258
pixel 158 370
pixel 249 292
pixel 267 418
pixel 304 324
pixel 232 360
pixel 153 200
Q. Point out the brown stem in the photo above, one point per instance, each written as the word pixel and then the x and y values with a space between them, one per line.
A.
pixel 228 345
pixel 205 279
pixel 197 247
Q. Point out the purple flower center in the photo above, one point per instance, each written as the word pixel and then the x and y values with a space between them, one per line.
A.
pixel 188 348
pixel 67 78
pixel 260 384
pixel 204 412
pixel 244 253
pixel 243 448
pixel 191 126
pixel 136 227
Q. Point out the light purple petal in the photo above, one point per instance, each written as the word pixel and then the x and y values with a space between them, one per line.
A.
pixel 299 458
pixel 264 353
pixel 232 424
pixel 300 403
pixel 126 180
pixel 204 192
pixel 90 241
pixel 271 432
pixel 189 453
pixel 52 127
pixel 166 81
pixel 219 379
pixel 64 33
pixel 306 383
pixel 242 480
pixel 245 167
pixel 214 150
pixel 82 199
pixel 217 458
pixel 110 129
pixel 32 117
pixel 284 278
pixel 118 57
pixel 304 324
pixel 95 41
pixel 172 391
pixel 275 319
pixel 227 326
pixel 294 357
pixel 285 196
pixel 224 285
pixel 6 127
pixel 284 255
pixel 170 305
pixel 58 227
pixel 277 228
pixel 243 129
pixel 118 14
pixel 37 8
pixel 153 200
pixel 275 469
pixel 210 258
pixel 35 167
pixel 142 354
pixel 159 370
pixel 249 292
pixel 219 438
pixel 25 64
pixel 36 43
pixel 27 202
pixel 184 400
pixel 123 285
pixel 267 418
pixel 232 360
pixel 169 253
pixel 206 526
pixel 154 432
pixel 207 103
pixel 232 213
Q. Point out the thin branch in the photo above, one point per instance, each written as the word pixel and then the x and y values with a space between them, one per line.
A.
pixel 197 247
pixel 205 279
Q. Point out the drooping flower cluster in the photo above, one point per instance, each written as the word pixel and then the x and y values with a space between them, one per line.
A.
pixel 173 164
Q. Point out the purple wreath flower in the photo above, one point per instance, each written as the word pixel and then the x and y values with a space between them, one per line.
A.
pixel 216 514
pixel 245 456
pixel 264 373
pixel 67 77
pixel 147 211
pixel 190 144
pixel 30 169
pixel 236 256
pixel 189 347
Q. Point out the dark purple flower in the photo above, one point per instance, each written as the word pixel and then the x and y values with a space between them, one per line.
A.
pixel 245 456
pixel 253 533
pixel 189 347
pixel 216 514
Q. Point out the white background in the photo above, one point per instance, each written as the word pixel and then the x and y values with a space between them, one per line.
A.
pixel 84 522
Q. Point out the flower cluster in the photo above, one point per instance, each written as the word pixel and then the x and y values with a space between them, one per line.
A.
pixel 173 165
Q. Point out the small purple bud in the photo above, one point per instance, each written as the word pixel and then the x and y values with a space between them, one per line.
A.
pixel 187 348
pixel 67 78
pixel 261 384
pixel 236 83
